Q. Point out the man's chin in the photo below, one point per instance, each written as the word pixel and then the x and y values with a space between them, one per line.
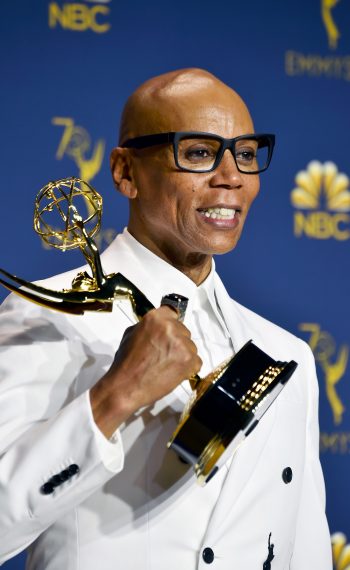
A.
pixel 221 247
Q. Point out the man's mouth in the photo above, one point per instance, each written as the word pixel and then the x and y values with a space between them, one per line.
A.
pixel 218 213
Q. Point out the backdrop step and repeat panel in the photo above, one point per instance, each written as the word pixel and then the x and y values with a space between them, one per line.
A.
pixel 67 69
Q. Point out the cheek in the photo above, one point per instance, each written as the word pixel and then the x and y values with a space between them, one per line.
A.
pixel 158 202
pixel 168 199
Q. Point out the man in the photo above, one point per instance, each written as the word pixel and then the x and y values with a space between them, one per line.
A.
pixel 85 475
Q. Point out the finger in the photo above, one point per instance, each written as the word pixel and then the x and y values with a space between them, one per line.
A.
pixel 177 302
pixel 196 365
pixel 199 364
pixel 168 311
pixel 194 348
pixel 185 331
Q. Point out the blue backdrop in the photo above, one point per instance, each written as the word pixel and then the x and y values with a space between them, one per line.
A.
pixel 67 69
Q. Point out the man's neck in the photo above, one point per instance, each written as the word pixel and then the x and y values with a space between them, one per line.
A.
pixel 196 266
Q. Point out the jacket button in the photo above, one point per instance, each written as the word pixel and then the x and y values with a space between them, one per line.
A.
pixel 64 475
pixel 73 469
pixel 55 480
pixel 208 555
pixel 47 488
pixel 287 475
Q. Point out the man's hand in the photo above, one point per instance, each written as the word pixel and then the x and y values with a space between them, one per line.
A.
pixel 154 357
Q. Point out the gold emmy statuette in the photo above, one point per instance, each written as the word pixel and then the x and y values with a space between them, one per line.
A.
pixel 227 404
pixel 67 215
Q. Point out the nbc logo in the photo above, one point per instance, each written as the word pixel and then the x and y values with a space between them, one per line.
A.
pixel 80 17
pixel 341 551
pixel 322 202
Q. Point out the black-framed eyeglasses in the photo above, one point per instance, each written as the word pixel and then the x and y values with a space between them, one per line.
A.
pixel 202 152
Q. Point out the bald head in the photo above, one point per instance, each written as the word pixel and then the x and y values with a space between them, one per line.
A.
pixel 171 208
pixel 176 101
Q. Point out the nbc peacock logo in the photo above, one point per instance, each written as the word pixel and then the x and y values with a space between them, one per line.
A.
pixel 340 551
pixel 321 200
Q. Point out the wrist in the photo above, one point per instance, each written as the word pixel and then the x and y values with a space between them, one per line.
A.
pixel 110 406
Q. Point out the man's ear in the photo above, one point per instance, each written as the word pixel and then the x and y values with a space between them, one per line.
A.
pixel 121 168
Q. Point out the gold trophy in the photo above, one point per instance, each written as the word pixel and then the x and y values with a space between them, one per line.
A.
pixel 227 404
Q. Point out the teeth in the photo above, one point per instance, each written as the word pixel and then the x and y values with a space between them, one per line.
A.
pixel 220 213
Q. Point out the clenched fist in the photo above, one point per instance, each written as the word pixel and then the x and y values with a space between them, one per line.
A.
pixel 154 357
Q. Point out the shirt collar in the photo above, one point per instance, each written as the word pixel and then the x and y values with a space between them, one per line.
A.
pixel 156 278
pixel 171 280
pixel 151 274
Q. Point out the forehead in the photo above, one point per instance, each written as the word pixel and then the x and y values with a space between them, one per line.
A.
pixel 211 108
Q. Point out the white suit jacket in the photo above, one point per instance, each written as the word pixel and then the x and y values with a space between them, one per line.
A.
pixel 131 504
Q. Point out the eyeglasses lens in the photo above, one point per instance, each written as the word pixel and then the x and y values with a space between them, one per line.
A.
pixel 200 154
pixel 197 153
pixel 252 155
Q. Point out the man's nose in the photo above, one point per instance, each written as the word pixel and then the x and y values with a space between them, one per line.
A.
pixel 227 173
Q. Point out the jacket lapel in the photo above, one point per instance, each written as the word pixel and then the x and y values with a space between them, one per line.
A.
pixel 243 463
pixel 235 323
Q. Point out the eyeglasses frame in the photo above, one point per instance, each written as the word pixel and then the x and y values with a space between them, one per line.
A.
pixel 174 137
